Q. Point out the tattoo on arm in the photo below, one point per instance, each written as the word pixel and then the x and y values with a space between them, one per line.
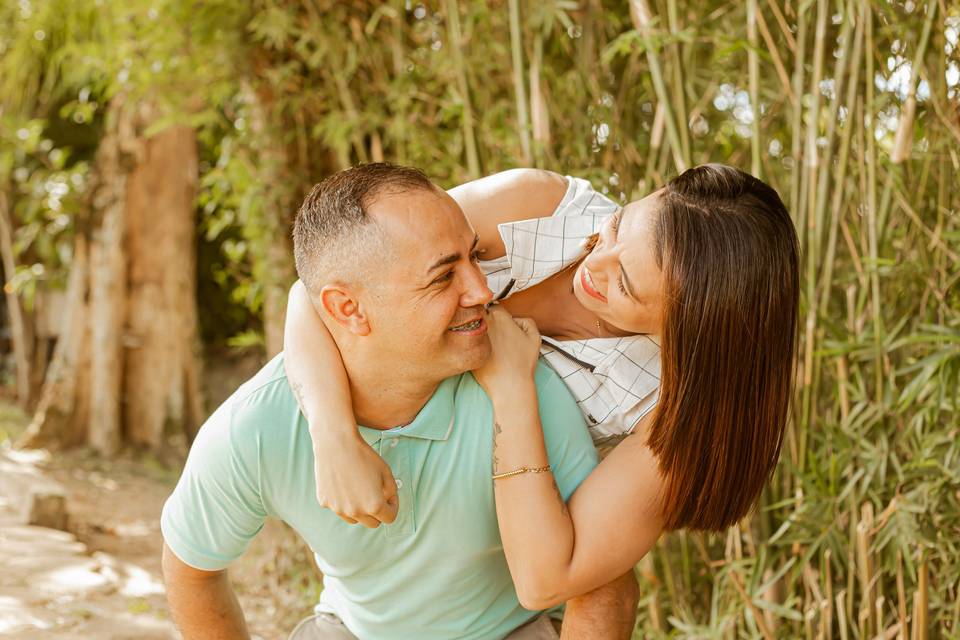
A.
pixel 497 429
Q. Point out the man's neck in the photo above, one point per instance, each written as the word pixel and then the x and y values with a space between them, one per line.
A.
pixel 382 402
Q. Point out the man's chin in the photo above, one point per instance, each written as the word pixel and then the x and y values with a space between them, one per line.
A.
pixel 476 356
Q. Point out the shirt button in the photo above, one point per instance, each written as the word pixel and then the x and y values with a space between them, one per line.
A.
pixel 399 483
pixel 394 442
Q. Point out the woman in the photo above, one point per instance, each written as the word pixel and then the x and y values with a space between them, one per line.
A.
pixel 709 264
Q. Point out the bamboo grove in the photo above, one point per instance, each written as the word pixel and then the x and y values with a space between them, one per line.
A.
pixel 849 108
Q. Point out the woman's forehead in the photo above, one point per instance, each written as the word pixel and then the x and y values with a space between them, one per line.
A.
pixel 636 231
pixel 641 211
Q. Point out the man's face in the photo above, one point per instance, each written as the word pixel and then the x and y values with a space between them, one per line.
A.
pixel 426 308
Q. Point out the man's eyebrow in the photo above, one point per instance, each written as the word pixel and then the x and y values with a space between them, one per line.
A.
pixel 452 257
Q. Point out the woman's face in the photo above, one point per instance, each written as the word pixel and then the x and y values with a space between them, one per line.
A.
pixel 619 280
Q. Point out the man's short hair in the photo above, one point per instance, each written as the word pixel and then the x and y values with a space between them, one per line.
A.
pixel 333 236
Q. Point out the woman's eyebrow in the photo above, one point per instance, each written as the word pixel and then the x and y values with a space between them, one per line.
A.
pixel 626 282
pixel 623 272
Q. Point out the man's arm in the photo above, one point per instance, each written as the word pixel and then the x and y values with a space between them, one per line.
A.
pixel 608 612
pixel 202 603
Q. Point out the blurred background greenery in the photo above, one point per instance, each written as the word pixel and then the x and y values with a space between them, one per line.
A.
pixel 849 108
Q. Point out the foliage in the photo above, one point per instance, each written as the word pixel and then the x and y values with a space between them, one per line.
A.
pixel 860 528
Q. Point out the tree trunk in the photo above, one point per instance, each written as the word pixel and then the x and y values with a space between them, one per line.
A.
pixel 18 327
pixel 126 367
pixel 269 235
pixel 107 285
pixel 161 332
pixel 61 415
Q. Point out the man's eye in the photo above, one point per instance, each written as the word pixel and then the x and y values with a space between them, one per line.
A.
pixel 444 278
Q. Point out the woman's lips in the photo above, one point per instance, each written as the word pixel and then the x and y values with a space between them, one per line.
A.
pixel 587 283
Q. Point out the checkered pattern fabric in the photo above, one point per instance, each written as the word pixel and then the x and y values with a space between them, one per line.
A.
pixel 615 381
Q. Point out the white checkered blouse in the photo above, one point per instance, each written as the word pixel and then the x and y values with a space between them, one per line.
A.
pixel 616 381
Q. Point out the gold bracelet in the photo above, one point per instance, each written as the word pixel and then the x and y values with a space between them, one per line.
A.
pixel 517 472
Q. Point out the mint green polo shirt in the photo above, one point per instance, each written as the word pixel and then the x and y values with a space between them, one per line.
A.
pixel 438 571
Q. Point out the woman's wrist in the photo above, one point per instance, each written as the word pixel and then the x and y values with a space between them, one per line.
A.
pixel 513 395
pixel 334 429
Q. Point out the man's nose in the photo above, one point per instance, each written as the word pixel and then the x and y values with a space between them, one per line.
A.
pixel 476 292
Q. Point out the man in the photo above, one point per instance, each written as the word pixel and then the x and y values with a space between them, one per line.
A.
pixel 389 260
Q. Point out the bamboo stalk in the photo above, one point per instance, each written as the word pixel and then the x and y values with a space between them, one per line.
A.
pixel 350 108
pixel 826 612
pixel 904 139
pixel 776 59
pixel 901 599
pixel 640 14
pixel 866 570
pixel 842 615
pixel 796 173
pixel 753 73
pixel 519 89
pixel 811 163
pixel 677 67
pixel 836 206
pixel 397 53
pixel 757 614
pixel 540 116
pixel 463 86
pixel 784 29
pixel 872 234
pixel 921 605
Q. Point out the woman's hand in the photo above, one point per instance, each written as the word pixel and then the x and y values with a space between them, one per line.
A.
pixel 516 347
pixel 353 481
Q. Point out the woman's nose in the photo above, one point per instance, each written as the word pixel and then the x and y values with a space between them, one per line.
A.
pixel 598 261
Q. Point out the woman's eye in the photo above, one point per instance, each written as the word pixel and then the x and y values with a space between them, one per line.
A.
pixel 620 286
pixel 615 223
pixel 475 256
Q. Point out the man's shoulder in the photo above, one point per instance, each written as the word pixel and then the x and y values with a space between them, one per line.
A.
pixel 261 402
pixel 549 383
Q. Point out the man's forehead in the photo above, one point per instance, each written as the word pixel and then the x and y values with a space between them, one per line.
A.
pixel 423 227
pixel 408 209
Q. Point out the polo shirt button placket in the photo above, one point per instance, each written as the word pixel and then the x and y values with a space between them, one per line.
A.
pixel 399 460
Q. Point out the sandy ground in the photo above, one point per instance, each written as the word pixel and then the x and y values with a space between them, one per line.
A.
pixel 101 578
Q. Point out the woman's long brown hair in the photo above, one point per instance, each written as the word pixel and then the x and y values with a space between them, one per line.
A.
pixel 730 260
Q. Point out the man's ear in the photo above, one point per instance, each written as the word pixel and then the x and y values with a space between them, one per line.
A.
pixel 344 308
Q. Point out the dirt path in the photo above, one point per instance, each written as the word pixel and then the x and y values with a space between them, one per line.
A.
pixel 101 579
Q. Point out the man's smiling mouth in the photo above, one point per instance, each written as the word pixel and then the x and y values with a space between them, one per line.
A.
pixel 466 327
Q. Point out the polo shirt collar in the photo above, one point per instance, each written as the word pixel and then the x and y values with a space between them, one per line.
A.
pixel 435 420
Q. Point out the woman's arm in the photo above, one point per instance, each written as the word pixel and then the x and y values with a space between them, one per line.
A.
pixel 508 196
pixel 556 551
pixel 352 480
